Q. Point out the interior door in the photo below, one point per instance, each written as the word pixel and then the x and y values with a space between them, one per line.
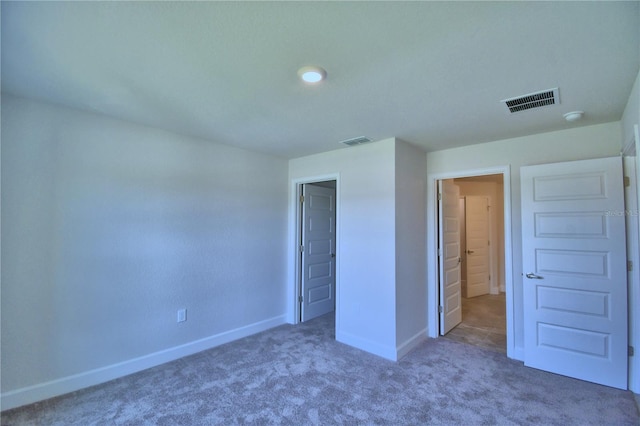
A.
pixel 574 264
pixel 477 245
pixel 449 256
pixel 318 251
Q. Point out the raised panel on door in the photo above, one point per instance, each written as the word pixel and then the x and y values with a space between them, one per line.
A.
pixel 574 277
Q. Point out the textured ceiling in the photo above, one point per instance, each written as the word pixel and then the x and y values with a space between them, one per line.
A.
pixel 430 73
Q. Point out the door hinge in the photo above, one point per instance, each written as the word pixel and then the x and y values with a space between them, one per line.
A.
pixel 300 299
pixel 440 309
pixel 301 199
pixel 301 249
pixel 488 243
pixel 629 265
pixel 627 181
pixel 439 196
pixel 631 351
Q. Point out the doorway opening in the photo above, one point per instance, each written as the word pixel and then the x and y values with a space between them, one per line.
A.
pixel 481 252
pixel 316 237
pixel 471 287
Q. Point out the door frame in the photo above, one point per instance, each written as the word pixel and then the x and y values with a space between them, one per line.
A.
pixel 432 244
pixel 295 235
pixel 307 215
pixel 631 163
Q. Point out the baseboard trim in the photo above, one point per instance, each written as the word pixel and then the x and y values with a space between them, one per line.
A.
pixel 411 343
pixel 388 352
pixel 53 388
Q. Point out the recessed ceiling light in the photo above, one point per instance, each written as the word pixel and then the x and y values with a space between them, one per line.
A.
pixel 312 74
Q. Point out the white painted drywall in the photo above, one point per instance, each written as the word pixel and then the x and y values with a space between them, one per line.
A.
pixel 365 308
pixel 631 115
pixel 108 228
pixel 602 140
pixel 411 288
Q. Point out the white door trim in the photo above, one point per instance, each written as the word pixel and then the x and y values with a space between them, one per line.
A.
pixel 432 259
pixel 631 219
pixel 633 238
pixel 634 305
pixel 294 266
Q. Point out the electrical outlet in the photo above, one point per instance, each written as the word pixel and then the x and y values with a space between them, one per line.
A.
pixel 182 315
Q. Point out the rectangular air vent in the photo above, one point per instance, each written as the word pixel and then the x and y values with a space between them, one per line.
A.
pixel 356 141
pixel 533 100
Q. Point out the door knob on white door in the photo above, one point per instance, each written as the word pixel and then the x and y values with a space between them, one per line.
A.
pixel 533 276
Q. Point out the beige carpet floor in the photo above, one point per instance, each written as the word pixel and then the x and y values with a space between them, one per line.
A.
pixel 300 375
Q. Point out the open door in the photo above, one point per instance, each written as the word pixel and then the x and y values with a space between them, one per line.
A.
pixel 449 256
pixel 574 262
pixel 318 251
pixel 477 245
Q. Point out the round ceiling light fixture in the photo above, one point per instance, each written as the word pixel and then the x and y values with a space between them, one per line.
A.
pixel 312 74
pixel 573 115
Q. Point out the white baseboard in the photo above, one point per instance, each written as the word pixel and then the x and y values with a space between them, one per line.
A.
pixel 411 343
pixel 57 387
pixel 388 352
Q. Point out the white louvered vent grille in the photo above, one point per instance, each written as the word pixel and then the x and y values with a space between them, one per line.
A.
pixel 356 141
pixel 533 100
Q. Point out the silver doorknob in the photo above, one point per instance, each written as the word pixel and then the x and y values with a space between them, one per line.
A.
pixel 533 276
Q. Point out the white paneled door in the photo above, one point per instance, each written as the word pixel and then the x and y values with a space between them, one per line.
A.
pixel 574 267
pixel 477 245
pixel 449 256
pixel 318 251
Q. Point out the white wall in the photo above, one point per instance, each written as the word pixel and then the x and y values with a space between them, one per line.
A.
pixel 365 258
pixel 381 289
pixel 411 288
pixel 631 115
pixel 601 140
pixel 109 227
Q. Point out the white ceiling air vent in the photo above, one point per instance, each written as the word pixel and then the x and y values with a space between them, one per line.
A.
pixel 533 100
pixel 356 141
